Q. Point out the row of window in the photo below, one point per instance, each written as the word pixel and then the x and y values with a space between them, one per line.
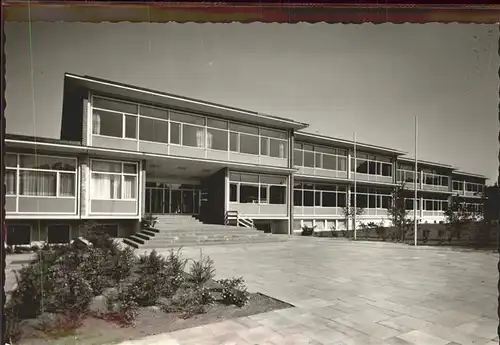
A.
pixel 38 175
pixel 20 234
pixel 116 119
pixel 370 167
pixel 48 176
pixel 257 189
pixel 429 204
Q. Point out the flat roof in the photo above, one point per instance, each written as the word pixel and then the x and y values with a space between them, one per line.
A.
pixel 326 140
pixel 424 162
pixel 162 98
pixel 463 173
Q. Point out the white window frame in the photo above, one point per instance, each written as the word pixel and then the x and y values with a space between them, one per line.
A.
pixel 123 114
pixel 440 179
pixel 337 156
pixel 378 195
pixel 18 170
pixel 258 185
pixel 122 175
pixel 314 190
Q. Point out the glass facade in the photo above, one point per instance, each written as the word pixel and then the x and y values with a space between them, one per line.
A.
pixel 132 121
pixel 320 157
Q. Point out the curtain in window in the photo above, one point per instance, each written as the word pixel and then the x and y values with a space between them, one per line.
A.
pixel 105 186
pixel 10 182
pixel 282 150
pixel 38 183
pixel 200 138
pixel 209 140
pixel 66 184
pixel 96 123
pixel 129 187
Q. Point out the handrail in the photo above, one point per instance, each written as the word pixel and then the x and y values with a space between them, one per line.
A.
pixel 234 215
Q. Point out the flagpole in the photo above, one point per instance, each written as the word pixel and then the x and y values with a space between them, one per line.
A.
pixel 355 201
pixel 415 184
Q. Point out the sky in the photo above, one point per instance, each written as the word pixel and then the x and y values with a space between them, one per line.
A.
pixel 367 79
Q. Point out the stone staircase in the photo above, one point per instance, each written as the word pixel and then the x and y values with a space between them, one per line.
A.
pixel 182 231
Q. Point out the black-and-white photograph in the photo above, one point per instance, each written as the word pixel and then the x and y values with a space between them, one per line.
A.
pixel 261 183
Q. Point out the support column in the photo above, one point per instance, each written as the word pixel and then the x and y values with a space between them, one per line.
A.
pixel 291 181
pixel 142 188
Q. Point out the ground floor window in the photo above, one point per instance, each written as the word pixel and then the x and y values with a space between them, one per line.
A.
pixel 257 189
pixel 58 233
pixel 18 234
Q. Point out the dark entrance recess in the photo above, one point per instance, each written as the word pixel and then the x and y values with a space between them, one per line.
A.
pixel 213 198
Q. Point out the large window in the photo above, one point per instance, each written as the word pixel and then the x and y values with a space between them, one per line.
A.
pixel 407 176
pixel 58 233
pixel 113 180
pixel 474 187
pixel 129 120
pixel 257 189
pixel 18 234
pixel 319 195
pixel 371 165
pixel 458 185
pixel 40 175
pixel 320 157
pixel 435 205
pixel 372 198
pixel 434 179
pixel 114 118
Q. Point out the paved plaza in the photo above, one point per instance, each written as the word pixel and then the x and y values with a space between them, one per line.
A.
pixel 350 293
pixel 354 293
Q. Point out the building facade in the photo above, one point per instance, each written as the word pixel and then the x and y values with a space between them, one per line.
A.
pixel 125 151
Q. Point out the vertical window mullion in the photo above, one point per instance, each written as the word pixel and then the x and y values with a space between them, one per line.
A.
pixel 123 125
pixel 58 182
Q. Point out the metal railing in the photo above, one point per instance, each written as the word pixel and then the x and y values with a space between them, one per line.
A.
pixel 234 218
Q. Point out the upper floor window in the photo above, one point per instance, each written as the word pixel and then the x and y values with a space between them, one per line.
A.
pixel 40 175
pixel 136 121
pixel 435 179
pixel 371 164
pixel 458 185
pixel 474 187
pixel 112 180
pixel 313 156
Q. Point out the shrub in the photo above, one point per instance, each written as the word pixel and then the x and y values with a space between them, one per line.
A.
pixel 26 298
pixel 61 325
pixel 308 231
pixel 201 271
pixel 234 292
pixel 174 268
pixel 146 289
pixel 101 240
pixel 122 307
pixel 67 289
pixel 189 301
pixel 12 324
pixel 95 269
pixel 148 221
pixel 152 263
pixel 122 262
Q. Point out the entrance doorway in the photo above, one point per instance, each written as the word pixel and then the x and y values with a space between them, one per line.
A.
pixel 172 198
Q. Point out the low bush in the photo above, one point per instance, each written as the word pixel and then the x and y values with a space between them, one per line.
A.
pixel 307 231
pixel 189 301
pixel 122 307
pixel 148 221
pixel 152 263
pixel 201 271
pixel 234 291
pixel 95 268
pixel 174 268
pixel 60 325
pixel 122 262
pixel 67 289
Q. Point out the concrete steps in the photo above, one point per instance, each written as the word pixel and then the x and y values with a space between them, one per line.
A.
pixel 182 231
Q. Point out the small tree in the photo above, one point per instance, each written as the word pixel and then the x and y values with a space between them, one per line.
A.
pixel 397 212
pixel 349 212
pixel 458 217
